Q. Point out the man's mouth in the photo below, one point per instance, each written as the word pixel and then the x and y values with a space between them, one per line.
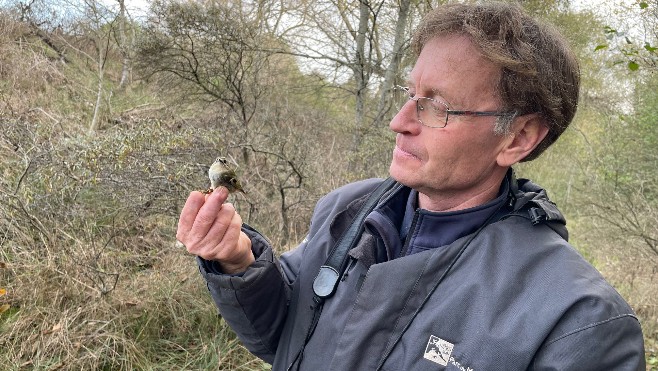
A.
pixel 399 151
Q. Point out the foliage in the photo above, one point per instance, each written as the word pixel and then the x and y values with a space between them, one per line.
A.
pixel 207 50
pixel 635 45
pixel 90 274
pixel 625 175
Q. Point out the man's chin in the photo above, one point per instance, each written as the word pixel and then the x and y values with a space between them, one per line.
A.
pixel 401 174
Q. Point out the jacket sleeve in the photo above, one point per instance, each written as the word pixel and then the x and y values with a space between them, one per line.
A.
pixel 612 344
pixel 254 303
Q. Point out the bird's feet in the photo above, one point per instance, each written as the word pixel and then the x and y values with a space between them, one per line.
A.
pixel 206 191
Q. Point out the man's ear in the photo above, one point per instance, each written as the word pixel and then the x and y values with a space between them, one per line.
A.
pixel 527 132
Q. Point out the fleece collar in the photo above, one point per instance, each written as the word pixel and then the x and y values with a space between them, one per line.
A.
pixel 406 229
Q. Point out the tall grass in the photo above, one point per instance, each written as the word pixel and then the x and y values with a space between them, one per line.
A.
pixel 161 319
pixel 90 274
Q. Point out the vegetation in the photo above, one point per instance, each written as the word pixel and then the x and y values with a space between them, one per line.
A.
pixel 109 120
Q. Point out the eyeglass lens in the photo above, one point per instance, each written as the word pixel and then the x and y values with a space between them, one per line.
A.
pixel 430 112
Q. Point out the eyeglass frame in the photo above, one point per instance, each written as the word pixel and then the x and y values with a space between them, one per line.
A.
pixel 448 111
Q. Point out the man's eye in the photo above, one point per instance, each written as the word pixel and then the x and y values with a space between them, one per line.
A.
pixel 437 107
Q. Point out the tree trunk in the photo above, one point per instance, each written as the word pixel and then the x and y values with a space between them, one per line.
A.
pixel 99 93
pixel 384 101
pixel 285 222
pixel 125 50
pixel 360 74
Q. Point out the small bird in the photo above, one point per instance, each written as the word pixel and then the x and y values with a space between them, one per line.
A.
pixel 221 174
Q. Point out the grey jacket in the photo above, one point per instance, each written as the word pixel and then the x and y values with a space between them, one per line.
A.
pixel 517 297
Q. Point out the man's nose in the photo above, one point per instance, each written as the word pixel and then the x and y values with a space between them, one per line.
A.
pixel 406 120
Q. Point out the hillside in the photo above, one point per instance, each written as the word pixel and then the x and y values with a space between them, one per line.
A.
pixel 95 172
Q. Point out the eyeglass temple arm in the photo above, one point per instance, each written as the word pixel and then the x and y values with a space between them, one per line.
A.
pixel 480 113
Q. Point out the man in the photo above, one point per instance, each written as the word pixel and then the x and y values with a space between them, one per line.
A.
pixel 459 266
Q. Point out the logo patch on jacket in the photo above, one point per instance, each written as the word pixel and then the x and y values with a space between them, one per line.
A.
pixel 438 350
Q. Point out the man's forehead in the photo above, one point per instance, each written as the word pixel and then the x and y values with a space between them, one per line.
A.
pixel 449 66
pixel 429 90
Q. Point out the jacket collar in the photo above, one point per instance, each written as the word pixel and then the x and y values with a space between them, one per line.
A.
pixel 522 195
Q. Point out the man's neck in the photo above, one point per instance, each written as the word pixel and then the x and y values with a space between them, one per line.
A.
pixel 462 200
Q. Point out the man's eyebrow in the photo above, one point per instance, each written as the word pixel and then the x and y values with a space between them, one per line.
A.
pixel 436 93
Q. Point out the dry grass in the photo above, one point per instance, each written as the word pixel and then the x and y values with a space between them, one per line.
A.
pixel 158 317
pixel 90 277
pixel 93 278
pixel 635 276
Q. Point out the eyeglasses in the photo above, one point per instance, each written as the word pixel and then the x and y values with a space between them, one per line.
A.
pixel 434 113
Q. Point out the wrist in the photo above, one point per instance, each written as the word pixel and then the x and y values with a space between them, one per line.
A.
pixel 241 263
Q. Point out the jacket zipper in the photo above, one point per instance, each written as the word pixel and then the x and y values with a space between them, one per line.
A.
pixel 348 269
pixel 407 240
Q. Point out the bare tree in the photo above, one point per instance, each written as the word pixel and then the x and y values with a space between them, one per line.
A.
pixel 124 46
pixel 620 186
pixel 360 44
pixel 221 53
pixel 97 28
pixel 206 50
pixel 392 71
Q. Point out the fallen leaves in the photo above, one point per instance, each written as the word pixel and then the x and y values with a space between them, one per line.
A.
pixel 3 307
pixel 56 328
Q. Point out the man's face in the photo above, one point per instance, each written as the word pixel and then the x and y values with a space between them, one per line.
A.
pixel 452 167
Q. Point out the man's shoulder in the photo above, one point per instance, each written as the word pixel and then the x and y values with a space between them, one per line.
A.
pixel 555 269
pixel 344 200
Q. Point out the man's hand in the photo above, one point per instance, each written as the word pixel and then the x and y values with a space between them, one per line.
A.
pixel 211 229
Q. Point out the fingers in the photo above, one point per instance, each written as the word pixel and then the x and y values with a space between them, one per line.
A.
pixel 210 211
pixel 199 213
pixel 188 214
pixel 221 241
pixel 212 229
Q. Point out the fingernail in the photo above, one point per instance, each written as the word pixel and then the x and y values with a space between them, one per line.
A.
pixel 222 192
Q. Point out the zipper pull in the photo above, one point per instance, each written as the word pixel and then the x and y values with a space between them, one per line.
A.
pixel 349 267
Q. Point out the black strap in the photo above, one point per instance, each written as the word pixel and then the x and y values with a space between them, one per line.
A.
pixel 326 281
